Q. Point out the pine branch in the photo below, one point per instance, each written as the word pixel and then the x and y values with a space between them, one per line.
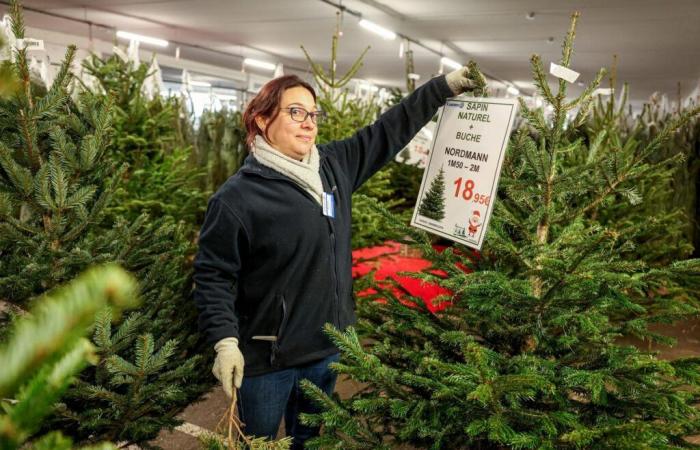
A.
pixel 540 79
pixel 46 349
pixel 20 177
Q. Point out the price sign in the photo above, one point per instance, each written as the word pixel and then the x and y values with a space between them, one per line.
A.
pixel 459 184
pixel 417 151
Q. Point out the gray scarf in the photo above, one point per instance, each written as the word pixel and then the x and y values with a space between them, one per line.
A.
pixel 304 173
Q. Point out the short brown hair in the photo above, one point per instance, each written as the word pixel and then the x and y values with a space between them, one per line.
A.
pixel 267 103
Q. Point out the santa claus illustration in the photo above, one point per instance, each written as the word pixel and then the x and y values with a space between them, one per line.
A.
pixel 474 223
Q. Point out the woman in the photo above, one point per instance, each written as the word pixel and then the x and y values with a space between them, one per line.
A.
pixel 274 259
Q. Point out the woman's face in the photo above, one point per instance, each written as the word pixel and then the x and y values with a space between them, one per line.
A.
pixel 293 139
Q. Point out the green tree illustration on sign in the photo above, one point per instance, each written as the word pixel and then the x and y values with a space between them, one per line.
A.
pixel 433 203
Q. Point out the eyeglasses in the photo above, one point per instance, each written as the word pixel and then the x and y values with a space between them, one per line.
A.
pixel 300 114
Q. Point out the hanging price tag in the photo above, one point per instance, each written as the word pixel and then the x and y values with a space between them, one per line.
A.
pixel 603 91
pixel 416 152
pixel 29 44
pixel 458 190
pixel 563 72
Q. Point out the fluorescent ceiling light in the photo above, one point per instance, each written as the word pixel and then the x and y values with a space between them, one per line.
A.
pixel 200 83
pixel 259 64
pixel 512 90
pixel 144 39
pixel 450 63
pixel 373 27
pixel 369 86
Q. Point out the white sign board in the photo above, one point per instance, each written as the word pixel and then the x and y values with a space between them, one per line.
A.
pixel 459 185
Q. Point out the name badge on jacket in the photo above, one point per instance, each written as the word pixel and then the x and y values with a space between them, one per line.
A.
pixel 328 205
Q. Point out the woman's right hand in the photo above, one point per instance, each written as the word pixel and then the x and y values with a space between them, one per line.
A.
pixel 228 366
pixel 459 81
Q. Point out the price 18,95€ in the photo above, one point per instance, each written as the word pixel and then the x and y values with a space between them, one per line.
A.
pixel 467 192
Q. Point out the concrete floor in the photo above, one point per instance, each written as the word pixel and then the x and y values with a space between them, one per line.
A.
pixel 207 413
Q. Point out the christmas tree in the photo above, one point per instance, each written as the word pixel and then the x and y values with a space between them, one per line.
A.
pixel 220 145
pixel 149 136
pixel 48 348
pixel 433 203
pixel 527 356
pixel 662 205
pixel 345 115
pixel 56 179
pixel 683 148
pixel 47 144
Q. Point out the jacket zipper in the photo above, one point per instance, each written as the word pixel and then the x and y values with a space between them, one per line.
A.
pixel 280 330
pixel 331 228
pixel 334 189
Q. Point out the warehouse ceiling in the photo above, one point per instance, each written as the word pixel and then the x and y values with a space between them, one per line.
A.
pixel 657 41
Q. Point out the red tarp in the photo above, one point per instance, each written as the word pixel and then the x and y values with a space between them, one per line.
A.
pixel 390 259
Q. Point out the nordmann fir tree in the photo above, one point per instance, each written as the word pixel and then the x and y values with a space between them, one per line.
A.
pixel 527 356
pixel 54 183
pixel 651 204
pixel 683 146
pixel 344 117
pixel 48 348
pixel 220 146
pixel 56 178
pixel 149 136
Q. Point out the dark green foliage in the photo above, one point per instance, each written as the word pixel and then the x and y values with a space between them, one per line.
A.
pixel 164 186
pixel 395 98
pixel 57 177
pixel 683 148
pixel 145 126
pixel 47 144
pixel 527 356
pixel 149 135
pixel 48 348
pixel 367 226
pixel 405 180
pixel 344 117
pixel 662 204
pixel 151 366
pixel 433 203
pixel 220 146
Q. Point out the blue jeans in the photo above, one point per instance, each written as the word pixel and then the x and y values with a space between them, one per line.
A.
pixel 264 398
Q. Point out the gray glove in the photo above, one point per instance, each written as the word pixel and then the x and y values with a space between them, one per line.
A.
pixel 459 81
pixel 228 366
